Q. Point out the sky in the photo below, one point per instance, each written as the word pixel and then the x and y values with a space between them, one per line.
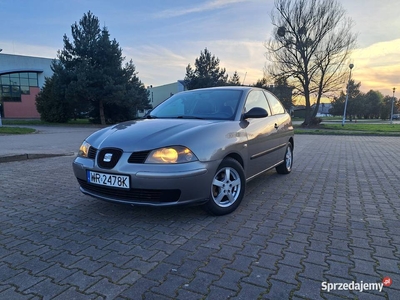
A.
pixel 163 36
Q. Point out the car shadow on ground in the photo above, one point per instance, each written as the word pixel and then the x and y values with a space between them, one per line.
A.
pixel 137 213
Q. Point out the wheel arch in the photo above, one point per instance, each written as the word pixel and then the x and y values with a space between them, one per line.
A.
pixel 291 140
pixel 236 157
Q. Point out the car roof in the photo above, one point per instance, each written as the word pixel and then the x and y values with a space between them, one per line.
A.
pixel 228 87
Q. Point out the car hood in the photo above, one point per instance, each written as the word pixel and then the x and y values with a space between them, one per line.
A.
pixel 149 134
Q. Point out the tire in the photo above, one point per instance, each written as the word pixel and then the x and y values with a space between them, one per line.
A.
pixel 286 166
pixel 227 188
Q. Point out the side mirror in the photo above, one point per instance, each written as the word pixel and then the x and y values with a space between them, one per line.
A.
pixel 255 113
pixel 147 114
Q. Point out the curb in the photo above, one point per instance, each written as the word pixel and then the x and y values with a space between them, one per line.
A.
pixel 26 156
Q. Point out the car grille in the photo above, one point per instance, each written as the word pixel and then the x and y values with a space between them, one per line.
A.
pixel 138 157
pixel 133 195
pixel 116 155
pixel 92 152
pixel 135 158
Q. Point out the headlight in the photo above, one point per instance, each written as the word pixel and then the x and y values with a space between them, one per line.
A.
pixel 84 149
pixel 171 155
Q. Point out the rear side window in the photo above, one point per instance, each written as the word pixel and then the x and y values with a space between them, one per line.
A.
pixel 257 99
pixel 276 106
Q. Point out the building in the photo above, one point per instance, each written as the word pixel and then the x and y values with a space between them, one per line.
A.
pixel 161 93
pixel 21 78
pixel 323 110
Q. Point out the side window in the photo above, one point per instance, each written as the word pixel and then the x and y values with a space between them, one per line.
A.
pixel 276 105
pixel 257 99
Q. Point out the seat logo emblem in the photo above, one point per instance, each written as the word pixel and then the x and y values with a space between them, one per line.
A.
pixel 107 157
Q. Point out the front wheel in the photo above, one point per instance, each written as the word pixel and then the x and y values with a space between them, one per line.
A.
pixel 227 188
pixel 286 166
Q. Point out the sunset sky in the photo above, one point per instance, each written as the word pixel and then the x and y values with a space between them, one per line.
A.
pixel 163 36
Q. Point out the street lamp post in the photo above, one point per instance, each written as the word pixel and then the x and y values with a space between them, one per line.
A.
pixel 351 66
pixel 391 113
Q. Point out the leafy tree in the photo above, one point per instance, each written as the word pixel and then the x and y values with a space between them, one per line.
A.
pixel 261 82
pixel 280 89
pixel 283 91
pixel 234 80
pixel 51 103
pixel 386 107
pixel 372 105
pixel 337 108
pixel 373 100
pixel 354 102
pixel 310 46
pixel 92 75
pixel 206 73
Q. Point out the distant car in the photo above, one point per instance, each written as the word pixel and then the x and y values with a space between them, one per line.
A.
pixel 396 116
pixel 197 147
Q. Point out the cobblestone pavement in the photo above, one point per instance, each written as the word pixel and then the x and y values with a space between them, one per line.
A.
pixel 334 219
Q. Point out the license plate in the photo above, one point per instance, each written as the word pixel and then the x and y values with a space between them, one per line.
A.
pixel 118 181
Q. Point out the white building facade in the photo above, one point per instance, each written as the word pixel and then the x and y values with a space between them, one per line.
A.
pixel 161 93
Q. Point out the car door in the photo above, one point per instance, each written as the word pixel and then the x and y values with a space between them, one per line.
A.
pixel 261 136
pixel 281 120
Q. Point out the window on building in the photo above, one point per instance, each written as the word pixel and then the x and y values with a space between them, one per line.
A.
pixel 13 85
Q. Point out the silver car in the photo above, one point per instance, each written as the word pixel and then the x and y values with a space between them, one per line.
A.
pixel 197 147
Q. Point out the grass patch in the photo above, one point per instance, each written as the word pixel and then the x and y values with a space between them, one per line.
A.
pixel 331 118
pixel 16 130
pixel 351 129
pixel 79 122
pixel 13 125
pixel 363 127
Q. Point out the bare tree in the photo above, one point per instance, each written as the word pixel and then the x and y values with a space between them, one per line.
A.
pixel 310 46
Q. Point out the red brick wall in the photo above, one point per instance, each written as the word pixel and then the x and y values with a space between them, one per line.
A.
pixel 26 109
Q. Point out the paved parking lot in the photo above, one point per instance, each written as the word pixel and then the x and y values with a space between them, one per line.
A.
pixel 332 223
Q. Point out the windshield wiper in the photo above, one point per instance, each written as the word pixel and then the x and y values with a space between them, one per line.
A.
pixel 189 117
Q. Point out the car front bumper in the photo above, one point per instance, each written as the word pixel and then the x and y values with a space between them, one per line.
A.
pixel 151 184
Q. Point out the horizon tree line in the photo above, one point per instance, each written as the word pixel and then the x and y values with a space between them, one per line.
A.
pixel 307 56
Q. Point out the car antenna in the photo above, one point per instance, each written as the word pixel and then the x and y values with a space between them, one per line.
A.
pixel 244 78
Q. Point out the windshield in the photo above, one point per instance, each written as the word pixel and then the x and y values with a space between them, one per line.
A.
pixel 200 104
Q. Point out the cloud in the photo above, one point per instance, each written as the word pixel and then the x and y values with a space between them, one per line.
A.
pixel 244 56
pixel 377 66
pixel 29 49
pixel 212 5
pixel 159 65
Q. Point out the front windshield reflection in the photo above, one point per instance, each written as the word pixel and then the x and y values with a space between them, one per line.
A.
pixel 200 104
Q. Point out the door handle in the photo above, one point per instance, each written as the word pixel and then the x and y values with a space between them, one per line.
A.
pixel 276 126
